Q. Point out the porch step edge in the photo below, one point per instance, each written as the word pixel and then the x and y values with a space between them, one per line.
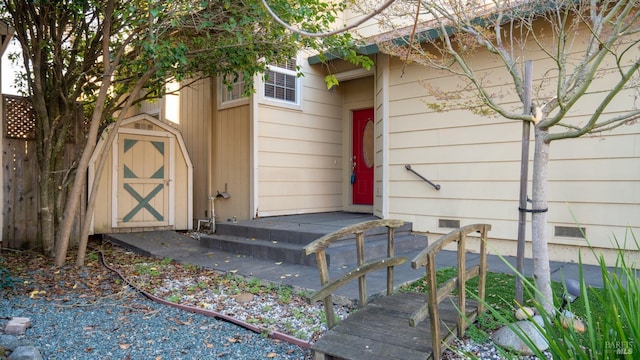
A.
pixel 258 248
pixel 344 253
pixel 340 254
pixel 301 236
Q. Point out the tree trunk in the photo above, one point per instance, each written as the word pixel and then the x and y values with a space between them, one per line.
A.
pixel 541 269
pixel 73 201
pixel 81 175
pixel 47 229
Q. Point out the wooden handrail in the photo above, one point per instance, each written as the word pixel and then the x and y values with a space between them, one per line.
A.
pixel 325 241
pixel 409 168
pixel 436 294
pixel 319 246
pixel 420 259
pixel 346 278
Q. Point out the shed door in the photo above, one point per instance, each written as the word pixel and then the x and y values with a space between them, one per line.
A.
pixel 143 181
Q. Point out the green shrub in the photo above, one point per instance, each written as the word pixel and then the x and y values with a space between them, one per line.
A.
pixel 6 280
pixel 611 315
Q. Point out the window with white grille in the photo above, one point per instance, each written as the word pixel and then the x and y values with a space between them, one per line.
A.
pixel 281 83
pixel 232 89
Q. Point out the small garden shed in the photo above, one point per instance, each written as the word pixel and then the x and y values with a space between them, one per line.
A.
pixel 146 183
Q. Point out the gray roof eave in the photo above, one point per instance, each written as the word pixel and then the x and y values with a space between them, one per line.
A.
pixel 430 33
pixel 369 49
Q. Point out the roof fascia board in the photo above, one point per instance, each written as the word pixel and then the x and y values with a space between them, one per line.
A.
pixel 369 49
pixel 432 33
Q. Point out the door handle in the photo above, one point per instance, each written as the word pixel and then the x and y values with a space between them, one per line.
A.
pixel 353 170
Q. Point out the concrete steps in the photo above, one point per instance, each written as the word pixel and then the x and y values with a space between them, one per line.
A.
pixel 284 240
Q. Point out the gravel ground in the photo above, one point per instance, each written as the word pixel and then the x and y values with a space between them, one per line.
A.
pixel 468 349
pixel 274 308
pixel 129 326
pixel 90 313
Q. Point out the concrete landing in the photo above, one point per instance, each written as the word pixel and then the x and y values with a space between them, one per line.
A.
pixel 283 238
pixel 185 249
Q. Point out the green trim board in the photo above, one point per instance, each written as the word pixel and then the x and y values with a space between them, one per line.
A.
pixel 129 143
pixel 159 145
pixel 128 173
pixel 143 203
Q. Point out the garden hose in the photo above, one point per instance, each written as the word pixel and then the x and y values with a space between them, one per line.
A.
pixel 260 330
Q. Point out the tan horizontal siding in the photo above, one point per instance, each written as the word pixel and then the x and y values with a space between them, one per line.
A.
pixel 287 205
pixel 296 119
pixel 295 146
pixel 472 153
pixel 593 180
pixel 309 174
pixel 587 213
pixel 461 190
pixel 596 169
pixel 591 191
pixel 301 161
pixel 300 153
pixel 623 144
pixel 457 208
pixel 475 134
pixel 285 131
pixel 299 188
pixel 423 118
pixel 429 224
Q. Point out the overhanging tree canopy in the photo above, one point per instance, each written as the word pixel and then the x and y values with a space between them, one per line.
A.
pixel 104 56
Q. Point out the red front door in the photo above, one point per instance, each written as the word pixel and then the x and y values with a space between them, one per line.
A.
pixel 362 157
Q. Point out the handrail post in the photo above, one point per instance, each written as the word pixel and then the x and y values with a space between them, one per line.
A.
pixel 321 259
pixel 362 281
pixel 462 280
pixel 426 258
pixel 390 254
pixel 482 281
pixel 432 298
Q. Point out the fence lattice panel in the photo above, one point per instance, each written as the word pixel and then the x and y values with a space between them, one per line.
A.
pixel 21 175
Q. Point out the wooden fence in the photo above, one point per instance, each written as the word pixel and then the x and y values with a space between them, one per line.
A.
pixel 21 176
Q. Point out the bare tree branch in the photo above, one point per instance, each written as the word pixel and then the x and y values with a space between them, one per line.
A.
pixel 361 21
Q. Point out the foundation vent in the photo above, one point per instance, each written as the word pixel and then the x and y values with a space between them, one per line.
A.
pixel 570 231
pixel 449 223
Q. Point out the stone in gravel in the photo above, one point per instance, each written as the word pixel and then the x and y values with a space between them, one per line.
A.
pixel 574 323
pixel 243 298
pixel 524 313
pixel 25 353
pixel 538 319
pixel 507 338
pixel 9 342
pixel 17 325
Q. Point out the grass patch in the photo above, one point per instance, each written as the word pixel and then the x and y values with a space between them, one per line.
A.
pixel 500 295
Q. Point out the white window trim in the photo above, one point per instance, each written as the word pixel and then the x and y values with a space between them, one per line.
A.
pixel 222 104
pixel 281 103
